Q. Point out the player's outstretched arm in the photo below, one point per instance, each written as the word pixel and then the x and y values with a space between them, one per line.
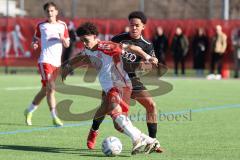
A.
pixel 69 65
pixel 137 50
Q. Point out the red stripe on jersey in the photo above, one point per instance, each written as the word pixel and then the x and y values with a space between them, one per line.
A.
pixel 37 29
pixel 66 34
pixel 37 32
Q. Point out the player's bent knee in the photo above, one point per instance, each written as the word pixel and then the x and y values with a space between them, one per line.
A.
pixel 50 91
pixel 151 107
pixel 114 115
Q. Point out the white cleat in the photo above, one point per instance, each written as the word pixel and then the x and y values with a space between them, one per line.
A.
pixel 151 147
pixel 138 146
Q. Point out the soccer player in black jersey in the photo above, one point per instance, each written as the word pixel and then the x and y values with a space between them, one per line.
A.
pixel 137 21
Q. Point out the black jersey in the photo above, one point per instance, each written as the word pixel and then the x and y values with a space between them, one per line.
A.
pixel 130 66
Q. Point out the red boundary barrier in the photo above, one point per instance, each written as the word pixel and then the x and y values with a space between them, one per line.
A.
pixel 107 28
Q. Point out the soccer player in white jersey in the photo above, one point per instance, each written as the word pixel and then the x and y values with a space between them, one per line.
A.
pixel 105 57
pixel 52 36
pixel 137 23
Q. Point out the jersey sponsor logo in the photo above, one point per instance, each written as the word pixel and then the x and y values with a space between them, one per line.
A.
pixel 129 56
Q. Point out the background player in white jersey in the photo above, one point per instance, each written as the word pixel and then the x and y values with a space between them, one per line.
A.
pixel 105 57
pixel 52 35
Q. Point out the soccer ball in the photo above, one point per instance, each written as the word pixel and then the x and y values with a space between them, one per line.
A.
pixel 111 146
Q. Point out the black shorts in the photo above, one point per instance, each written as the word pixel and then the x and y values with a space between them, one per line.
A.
pixel 137 84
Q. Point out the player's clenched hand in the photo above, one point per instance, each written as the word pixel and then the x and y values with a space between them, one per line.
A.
pixel 153 60
pixel 64 40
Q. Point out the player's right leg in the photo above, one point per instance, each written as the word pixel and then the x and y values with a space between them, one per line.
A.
pixel 34 105
pixel 97 121
pixel 49 74
pixel 93 133
pixel 39 96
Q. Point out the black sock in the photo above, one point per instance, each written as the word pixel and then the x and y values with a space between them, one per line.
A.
pixel 152 129
pixel 97 122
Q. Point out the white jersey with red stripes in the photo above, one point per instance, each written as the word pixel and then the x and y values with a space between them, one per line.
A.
pixel 51 45
pixel 109 66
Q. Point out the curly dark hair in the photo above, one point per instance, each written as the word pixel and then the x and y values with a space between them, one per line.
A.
pixel 86 29
pixel 138 14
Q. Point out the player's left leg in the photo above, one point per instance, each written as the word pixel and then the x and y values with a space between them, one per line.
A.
pixel 97 121
pixel 145 99
pixel 98 118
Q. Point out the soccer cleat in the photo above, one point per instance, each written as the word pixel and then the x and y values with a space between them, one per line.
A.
pixel 91 140
pixel 57 122
pixel 138 146
pixel 28 117
pixel 159 149
pixel 151 147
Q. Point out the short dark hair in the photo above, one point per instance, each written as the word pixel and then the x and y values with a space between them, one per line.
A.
pixel 86 29
pixel 48 4
pixel 138 14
